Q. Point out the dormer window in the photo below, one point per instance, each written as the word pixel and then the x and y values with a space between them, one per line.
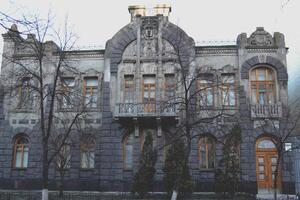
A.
pixel 263 88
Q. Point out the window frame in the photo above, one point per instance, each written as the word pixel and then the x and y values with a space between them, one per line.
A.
pixel 87 146
pixel 15 152
pixel 202 90
pixel 68 154
pixel 169 86
pixel 254 84
pixel 129 88
pixel 150 104
pixel 213 143
pixel 125 143
pixel 228 87
pixel 67 90
pixel 91 88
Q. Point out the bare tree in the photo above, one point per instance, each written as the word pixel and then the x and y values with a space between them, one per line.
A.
pixel 192 97
pixel 35 71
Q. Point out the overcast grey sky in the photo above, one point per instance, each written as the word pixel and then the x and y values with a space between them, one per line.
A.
pixel 96 21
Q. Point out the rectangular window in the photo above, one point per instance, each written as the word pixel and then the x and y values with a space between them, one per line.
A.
pixel 88 160
pixel 149 93
pixel 90 92
pixel 206 91
pixel 128 158
pixel 228 90
pixel 26 93
pixel 169 86
pixel 67 84
pixel 263 86
pixel 129 88
pixel 19 154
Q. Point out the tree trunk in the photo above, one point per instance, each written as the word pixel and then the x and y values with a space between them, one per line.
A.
pixel 61 188
pixel 276 174
pixel 45 194
pixel 45 173
pixel 174 195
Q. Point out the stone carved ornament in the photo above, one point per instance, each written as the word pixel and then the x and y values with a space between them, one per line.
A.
pixel 149 30
pixel 260 38
pixel 149 27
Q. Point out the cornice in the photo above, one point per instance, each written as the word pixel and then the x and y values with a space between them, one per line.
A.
pixel 262 50
pixel 230 50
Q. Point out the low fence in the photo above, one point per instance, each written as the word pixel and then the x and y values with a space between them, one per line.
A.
pixel 76 195
pixel 36 195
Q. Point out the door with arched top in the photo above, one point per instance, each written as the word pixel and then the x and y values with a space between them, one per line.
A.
pixel 266 161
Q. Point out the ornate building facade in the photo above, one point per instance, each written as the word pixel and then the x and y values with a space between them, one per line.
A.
pixel 124 85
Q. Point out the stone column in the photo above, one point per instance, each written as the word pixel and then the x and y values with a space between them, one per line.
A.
pixel 138 75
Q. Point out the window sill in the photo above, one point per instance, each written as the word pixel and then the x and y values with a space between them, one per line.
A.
pixel 22 110
pixel 128 170
pixel 19 168
pixel 65 110
pixel 96 109
pixel 66 169
pixel 226 107
pixel 86 169
pixel 207 170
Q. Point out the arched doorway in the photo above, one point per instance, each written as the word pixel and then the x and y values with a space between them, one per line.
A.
pixel 266 160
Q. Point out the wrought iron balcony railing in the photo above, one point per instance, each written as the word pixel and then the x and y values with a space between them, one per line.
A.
pixel 266 110
pixel 145 110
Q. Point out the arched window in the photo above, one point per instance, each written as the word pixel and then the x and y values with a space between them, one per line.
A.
pixel 21 152
pixel 265 143
pixel 207 153
pixel 87 152
pixel 232 153
pixel 128 151
pixel 263 86
pixel 63 157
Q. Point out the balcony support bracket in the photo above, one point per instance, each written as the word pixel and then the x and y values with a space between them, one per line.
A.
pixel 158 121
pixel 136 127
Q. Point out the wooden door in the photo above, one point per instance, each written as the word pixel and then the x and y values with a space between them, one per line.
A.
pixel 265 167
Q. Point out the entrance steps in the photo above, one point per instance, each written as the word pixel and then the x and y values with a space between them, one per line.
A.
pixel 270 196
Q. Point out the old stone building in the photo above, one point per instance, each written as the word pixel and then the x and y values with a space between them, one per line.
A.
pixel 124 85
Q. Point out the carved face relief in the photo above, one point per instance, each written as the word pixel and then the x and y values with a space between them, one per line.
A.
pixel 149 27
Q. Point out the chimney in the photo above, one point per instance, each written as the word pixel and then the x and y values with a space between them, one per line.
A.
pixel 162 9
pixel 137 10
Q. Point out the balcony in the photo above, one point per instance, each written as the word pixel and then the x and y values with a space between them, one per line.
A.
pixel 266 111
pixel 144 110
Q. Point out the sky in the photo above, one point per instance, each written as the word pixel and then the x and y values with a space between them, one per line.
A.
pixel 96 21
